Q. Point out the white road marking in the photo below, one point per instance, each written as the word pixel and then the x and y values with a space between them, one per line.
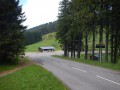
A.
pixel 55 61
pixel 64 64
pixel 71 67
pixel 108 80
pixel 79 69
pixel 61 63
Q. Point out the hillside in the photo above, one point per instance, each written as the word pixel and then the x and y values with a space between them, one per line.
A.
pixel 47 40
pixel 35 34
pixel 45 28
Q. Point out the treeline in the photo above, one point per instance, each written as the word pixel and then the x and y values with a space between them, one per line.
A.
pixel 32 37
pixel 80 18
pixel 34 34
pixel 45 28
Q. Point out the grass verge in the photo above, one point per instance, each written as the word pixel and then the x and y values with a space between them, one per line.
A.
pixel 95 63
pixel 32 77
pixel 5 67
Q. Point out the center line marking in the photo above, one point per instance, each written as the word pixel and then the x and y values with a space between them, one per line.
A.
pixel 108 80
pixel 64 64
pixel 79 69
pixel 72 67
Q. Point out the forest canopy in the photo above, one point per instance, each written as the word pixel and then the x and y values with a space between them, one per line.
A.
pixel 78 19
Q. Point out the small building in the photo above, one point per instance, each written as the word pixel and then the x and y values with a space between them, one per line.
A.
pixel 46 48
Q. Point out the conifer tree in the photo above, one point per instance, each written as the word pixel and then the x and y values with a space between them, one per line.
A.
pixel 63 25
pixel 11 30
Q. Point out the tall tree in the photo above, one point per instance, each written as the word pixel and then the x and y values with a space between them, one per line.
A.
pixel 11 30
pixel 115 20
pixel 93 8
pixel 107 26
pixel 63 25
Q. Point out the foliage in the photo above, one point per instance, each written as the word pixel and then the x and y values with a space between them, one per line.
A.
pixel 80 18
pixel 32 37
pixel 31 78
pixel 45 28
pixel 47 40
pixel 11 30
pixel 35 34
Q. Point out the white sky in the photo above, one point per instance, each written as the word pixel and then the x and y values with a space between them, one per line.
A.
pixel 40 11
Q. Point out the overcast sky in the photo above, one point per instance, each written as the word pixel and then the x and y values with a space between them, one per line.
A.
pixel 40 11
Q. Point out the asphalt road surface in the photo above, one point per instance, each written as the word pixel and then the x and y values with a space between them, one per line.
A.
pixel 78 76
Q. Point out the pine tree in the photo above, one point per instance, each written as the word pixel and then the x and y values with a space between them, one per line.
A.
pixel 63 25
pixel 11 30
pixel 115 20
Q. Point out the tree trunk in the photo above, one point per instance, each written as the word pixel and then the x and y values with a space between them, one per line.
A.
pixel 72 47
pixel 68 50
pixel 115 47
pixel 112 44
pixel 86 45
pixel 93 44
pixel 106 48
pixel 107 32
pixel 79 46
pixel 101 33
pixel 65 49
pixel 101 39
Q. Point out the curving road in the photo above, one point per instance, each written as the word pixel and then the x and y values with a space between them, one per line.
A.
pixel 77 76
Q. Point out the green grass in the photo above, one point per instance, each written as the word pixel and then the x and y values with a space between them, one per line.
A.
pixel 95 63
pixel 32 77
pixel 48 40
pixel 5 67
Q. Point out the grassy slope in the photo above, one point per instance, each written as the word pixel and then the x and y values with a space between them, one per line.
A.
pixel 48 40
pixel 31 78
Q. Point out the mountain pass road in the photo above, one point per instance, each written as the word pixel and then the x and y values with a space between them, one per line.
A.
pixel 77 76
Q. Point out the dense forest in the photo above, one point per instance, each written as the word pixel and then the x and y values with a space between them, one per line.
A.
pixel 79 19
pixel 32 37
pixel 34 34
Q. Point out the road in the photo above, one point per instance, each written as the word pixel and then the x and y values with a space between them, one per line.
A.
pixel 78 76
